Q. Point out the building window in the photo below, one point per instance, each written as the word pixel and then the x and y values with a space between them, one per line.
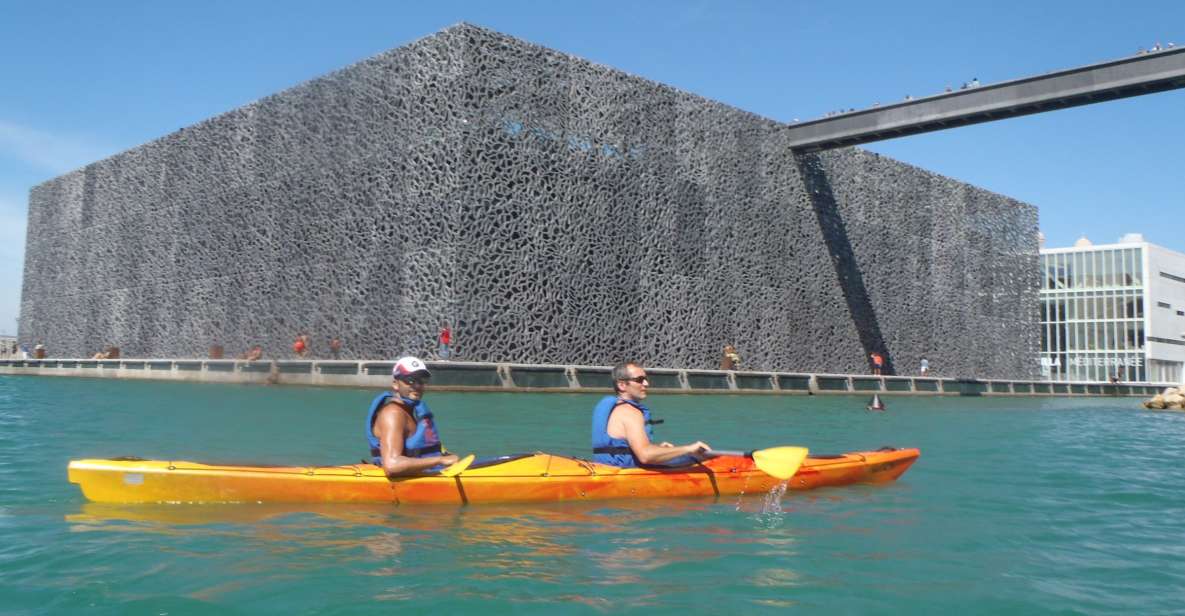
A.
pixel 1172 277
pixel 1164 305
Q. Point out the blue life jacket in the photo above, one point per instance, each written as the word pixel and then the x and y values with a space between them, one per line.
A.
pixel 609 450
pixel 425 441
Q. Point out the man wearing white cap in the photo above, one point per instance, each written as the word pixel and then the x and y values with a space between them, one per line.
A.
pixel 399 427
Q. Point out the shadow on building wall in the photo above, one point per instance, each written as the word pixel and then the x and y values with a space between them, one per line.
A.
pixel 835 235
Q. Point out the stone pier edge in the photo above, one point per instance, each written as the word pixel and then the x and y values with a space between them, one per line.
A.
pixel 508 377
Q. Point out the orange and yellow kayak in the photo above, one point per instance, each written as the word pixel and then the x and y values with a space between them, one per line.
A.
pixel 521 478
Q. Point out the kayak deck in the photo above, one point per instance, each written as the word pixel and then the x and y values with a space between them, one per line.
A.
pixel 527 478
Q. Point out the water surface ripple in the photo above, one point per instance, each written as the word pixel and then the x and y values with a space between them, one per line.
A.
pixel 1019 506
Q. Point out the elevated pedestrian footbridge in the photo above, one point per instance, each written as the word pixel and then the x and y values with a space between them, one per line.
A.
pixel 1156 71
pixel 480 376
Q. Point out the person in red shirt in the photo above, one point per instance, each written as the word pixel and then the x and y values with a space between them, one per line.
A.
pixel 445 339
pixel 301 346
pixel 877 362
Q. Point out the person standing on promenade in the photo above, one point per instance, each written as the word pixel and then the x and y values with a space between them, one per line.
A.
pixel 254 354
pixel 621 433
pixel 925 367
pixel 335 348
pixel 400 428
pixel 730 360
pixel 878 362
pixel 445 339
pixel 301 345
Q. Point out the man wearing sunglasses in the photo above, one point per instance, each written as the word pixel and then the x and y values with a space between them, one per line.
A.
pixel 621 433
pixel 399 426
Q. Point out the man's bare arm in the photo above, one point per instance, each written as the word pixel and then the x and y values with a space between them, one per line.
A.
pixel 645 451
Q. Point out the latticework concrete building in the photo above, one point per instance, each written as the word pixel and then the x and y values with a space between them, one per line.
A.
pixel 549 209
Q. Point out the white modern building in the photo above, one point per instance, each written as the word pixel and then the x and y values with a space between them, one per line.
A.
pixel 8 346
pixel 1113 311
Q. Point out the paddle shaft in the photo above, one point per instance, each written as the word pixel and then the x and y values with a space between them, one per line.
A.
pixel 715 453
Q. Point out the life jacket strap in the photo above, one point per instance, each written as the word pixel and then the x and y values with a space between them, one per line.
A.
pixel 613 450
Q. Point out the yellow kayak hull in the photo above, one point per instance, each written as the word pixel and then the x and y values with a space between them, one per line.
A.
pixel 530 478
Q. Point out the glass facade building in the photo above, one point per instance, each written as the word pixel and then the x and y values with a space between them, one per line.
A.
pixel 1113 311
pixel 1092 314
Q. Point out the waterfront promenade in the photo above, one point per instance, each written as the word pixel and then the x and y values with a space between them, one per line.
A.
pixel 478 376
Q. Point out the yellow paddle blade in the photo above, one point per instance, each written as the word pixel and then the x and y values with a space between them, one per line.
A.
pixel 780 462
pixel 455 468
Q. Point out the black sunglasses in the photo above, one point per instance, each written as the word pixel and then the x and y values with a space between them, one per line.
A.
pixel 414 380
pixel 639 379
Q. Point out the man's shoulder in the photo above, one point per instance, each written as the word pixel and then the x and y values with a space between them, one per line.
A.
pixel 624 404
pixel 392 411
pixel 390 403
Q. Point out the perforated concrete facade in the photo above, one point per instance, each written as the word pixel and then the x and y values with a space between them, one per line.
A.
pixel 550 209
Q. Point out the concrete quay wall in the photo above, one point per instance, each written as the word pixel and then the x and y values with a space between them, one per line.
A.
pixel 482 376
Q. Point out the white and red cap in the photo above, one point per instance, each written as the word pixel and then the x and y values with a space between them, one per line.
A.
pixel 407 366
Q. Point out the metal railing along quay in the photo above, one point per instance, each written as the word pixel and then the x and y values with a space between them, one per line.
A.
pixel 482 376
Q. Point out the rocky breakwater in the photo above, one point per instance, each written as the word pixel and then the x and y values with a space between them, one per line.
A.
pixel 1171 399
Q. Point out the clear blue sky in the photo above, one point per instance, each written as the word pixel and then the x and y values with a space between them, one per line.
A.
pixel 80 81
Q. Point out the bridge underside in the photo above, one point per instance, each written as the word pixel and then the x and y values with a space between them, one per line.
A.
pixel 1135 76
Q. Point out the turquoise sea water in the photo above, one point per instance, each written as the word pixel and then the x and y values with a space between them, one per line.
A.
pixel 1018 506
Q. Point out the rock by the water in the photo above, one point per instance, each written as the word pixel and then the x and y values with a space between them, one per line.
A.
pixel 1172 399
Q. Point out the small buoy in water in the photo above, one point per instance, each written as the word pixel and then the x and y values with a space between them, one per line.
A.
pixel 875 404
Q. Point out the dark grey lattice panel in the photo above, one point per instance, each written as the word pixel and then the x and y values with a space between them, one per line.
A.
pixel 550 209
